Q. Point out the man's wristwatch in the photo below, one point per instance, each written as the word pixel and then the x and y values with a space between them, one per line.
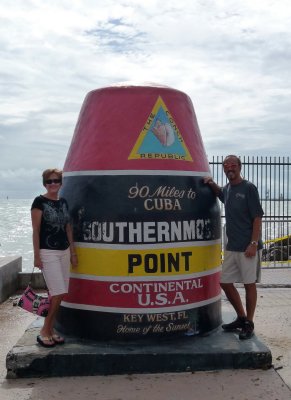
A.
pixel 254 243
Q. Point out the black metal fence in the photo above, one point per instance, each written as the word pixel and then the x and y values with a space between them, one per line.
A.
pixel 271 175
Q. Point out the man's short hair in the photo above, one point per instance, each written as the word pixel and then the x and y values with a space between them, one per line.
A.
pixel 233 156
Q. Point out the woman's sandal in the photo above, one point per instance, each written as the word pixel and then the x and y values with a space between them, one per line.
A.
pixel 45 341
pixel 58 339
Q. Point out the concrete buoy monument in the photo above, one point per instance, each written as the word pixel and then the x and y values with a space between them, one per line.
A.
pixel 147 229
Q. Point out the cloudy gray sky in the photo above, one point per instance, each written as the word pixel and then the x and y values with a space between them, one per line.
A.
pixel 232 58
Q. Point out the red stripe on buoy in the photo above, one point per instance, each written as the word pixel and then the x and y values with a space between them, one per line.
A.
pixel 143 294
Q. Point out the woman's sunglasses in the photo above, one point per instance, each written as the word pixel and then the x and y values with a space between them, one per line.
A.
pixel 50 181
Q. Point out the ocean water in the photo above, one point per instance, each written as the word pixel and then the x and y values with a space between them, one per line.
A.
pixel 16 230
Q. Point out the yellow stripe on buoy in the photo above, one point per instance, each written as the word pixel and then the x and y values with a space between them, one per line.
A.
pixel 157 262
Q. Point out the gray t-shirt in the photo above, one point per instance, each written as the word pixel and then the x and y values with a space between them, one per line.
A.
pixel 242 206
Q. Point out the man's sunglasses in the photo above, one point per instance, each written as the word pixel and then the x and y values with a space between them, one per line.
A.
pixel 50 181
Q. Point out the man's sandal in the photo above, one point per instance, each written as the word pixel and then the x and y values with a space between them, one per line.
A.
pixel 45 341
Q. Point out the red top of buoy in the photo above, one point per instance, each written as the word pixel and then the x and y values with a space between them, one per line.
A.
pixel 137 127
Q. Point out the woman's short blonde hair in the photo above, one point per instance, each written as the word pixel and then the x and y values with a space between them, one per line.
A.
pixel 48 172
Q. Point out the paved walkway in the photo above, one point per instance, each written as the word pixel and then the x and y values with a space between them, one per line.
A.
pixel 276 276
pixel 273 327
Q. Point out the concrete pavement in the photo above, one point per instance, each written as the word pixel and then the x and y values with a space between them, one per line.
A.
pixel 273 327
pixel 276 277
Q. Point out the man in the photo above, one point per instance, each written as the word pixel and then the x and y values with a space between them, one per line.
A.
pixel 243 213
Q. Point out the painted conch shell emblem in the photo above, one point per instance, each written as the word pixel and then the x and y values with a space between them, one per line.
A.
pixel 164 133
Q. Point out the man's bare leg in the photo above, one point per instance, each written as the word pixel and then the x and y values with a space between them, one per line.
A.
pixel 234 298
pixel 251 300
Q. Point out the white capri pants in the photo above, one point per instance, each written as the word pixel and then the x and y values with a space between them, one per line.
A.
pixel 56 270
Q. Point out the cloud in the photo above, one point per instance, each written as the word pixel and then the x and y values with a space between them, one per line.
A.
pixel 232 58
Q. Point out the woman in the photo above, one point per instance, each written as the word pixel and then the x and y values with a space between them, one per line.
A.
pixel 53 249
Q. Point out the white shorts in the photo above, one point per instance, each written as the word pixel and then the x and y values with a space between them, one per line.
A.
pixel 237 267
pixel 56 270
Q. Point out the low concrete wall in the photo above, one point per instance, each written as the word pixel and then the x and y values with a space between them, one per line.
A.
pixel 9 270
pixel 36 280
pixel 13 279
